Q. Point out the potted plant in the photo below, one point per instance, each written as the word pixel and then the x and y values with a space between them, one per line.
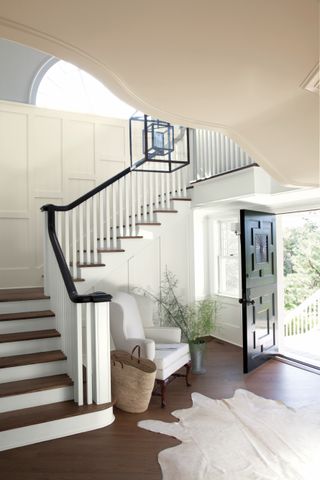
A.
pixel 196 320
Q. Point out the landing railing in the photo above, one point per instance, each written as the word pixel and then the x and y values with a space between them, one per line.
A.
pixel 304 318
pixel 215 154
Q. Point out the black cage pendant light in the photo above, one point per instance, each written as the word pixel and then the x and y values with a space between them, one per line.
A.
pixel 157 146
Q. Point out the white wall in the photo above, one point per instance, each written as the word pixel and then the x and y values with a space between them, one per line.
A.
pixel 229 319
pixel 47 156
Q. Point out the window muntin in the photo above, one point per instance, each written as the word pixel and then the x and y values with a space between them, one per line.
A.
pixel 228 259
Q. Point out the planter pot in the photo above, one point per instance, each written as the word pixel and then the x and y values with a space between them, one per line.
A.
pixel 197 351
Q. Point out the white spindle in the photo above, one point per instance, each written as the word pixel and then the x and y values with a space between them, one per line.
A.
pixel 101 217
pixel 74 242
pixel 114 216
pixel 94 229
pixel 167 190
pixel 156 190
pixel 88 231
pixel 108 217
pixel 145 197
pixel 133 204
pixel 120 206
pixel 81 246
pixel 66 238
pixel 127 207
pixel 138 194
pixel 89 352
pixel 79 357
pixel 162 193
pixel 59 226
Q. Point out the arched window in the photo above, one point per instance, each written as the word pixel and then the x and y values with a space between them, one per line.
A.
pixel 66 87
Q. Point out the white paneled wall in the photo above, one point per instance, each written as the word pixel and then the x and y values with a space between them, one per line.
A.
pixel 47 156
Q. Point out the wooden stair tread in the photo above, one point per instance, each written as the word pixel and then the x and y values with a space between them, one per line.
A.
pixel 24 336
pixel 165 210
pixel 21 294
pixel 46 413
pixel 32 358
pixel 26 315
pixel 78 279
pixel 34 385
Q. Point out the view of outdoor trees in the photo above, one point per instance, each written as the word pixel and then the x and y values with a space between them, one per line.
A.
pixel 301 257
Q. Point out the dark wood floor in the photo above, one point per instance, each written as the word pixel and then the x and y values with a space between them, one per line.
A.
pixel 123 451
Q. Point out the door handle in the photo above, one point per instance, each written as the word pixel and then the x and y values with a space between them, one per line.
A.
pixel 245 301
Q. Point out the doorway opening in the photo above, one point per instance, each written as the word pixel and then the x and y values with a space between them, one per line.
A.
pixel 300 329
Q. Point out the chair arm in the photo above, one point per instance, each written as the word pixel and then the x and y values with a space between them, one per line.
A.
pixel 147 345
pixel 163 334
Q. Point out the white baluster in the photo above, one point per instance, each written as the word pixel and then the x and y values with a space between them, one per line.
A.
pixel 127 205
pixel 138 194
pixel 167 190
pixel 88 231
pixel 114 216
pixel 89 352
pixel 120 206
pixel 74 242
pixel 101 217
pixel 81 246
pixel 95 229
pixel 145 197
pixel 66 238
pixel 133 204
pixel 173 183
pixel 59 227
pixel 162 190
pixel 79 357
pixel 108 216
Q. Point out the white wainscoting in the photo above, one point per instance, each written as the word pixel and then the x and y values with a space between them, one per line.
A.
pixel 229 321
pixel 48 156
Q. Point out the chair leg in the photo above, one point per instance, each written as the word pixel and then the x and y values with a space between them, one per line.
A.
pixel 163 390
pixel 188 369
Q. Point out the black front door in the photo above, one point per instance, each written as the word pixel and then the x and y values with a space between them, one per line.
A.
pixel 259 287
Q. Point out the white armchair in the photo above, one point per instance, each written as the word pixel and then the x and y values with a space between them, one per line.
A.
pixel 159 344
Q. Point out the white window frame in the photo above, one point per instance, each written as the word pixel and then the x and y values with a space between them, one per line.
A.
pixel 220 256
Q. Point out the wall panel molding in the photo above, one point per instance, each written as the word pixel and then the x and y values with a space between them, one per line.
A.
pixel 48 156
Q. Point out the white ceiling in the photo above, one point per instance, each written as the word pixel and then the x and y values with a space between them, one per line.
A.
pixel 234 65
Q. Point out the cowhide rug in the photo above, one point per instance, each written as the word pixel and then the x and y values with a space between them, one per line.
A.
pixel 244 437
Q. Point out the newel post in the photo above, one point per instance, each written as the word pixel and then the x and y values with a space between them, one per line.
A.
pixel 102 372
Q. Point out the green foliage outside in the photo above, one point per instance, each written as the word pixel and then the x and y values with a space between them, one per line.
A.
pixel 301 262
pixel 195 320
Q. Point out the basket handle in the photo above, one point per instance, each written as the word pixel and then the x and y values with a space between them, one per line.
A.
pixel 139 352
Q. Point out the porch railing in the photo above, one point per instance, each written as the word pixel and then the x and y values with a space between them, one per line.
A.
pixel 303 318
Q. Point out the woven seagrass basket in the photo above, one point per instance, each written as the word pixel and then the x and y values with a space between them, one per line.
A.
pixel 132 380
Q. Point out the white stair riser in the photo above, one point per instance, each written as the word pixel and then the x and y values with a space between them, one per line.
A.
pixel 34 399
pixel 24 306
pixel 30 346
pixel 37 370
pixel 18 437
pixel 27 325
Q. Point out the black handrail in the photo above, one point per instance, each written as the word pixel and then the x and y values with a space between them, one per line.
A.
pixel 91 193
pixel 94 297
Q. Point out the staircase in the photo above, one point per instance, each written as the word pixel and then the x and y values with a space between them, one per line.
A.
pixel 55 342
pixel 36 392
